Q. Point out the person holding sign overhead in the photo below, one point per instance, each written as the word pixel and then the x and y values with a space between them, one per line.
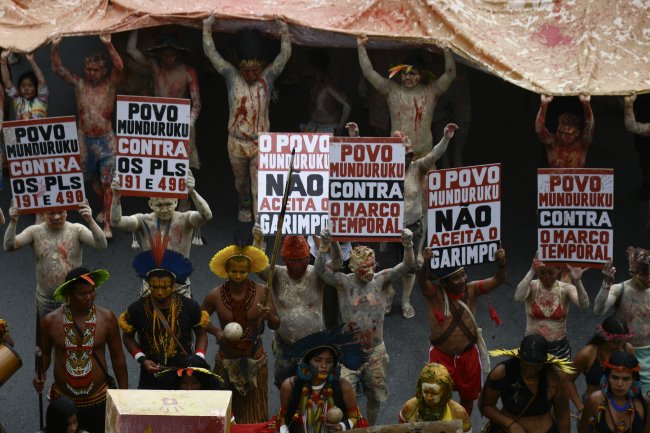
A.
pixel 249 93
pixel 179 225
pixel 58 248
pixel 95 94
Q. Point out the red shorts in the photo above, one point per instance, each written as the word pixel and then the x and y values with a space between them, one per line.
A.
pixel 465 369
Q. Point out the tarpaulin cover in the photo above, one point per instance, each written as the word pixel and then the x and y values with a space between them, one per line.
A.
pixel 599 47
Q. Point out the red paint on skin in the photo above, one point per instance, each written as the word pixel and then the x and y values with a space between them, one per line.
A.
pixel 241 111
pixel 63 252
pixel 419 112
pixel 551 36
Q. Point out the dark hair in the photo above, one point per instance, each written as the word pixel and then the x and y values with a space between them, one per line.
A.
pixel 534 348
pixel 614 324
pixel 569 119
pixel 75 274
pixel 28 75
pixel 95 58
pixel 160 273
pixel 207 381
pixel 625 360
pixel 58 413
pixel 319 350
pixel 420 65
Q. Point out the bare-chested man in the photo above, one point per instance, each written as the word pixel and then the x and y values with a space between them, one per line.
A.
pixel 171 78
pixel 79 332
pixel 631 301
pixel 181 224
pixel 412 102
pixel 568 147
pixel 362 299
pixel 329 108
pixel 298 297
pixel 241 360
pixel 95 95
pixel 58 248
pixel 249 95
pixel 453 333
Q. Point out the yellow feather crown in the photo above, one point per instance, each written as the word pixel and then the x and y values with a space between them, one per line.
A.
pixel 256 257
pixel 563 364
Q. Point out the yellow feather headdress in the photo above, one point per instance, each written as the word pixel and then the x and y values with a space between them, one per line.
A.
pixel 563 364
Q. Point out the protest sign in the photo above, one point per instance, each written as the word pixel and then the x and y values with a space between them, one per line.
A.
pixel 574 222
pixel 44 164
pixel 366 189
pixel 306 212
pixel 152 146
pixel 464 215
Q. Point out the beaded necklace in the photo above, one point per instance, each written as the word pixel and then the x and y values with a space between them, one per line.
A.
pixel 163 344
pixel 79 352
pixel 239 310
pixel 313 406
pixel 625 424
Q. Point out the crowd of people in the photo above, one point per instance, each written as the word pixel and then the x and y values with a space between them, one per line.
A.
pixel 323 352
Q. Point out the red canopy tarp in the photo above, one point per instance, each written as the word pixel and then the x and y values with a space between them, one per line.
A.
pixel 598 47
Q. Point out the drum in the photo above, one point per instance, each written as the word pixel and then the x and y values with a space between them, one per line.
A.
pixel 10 362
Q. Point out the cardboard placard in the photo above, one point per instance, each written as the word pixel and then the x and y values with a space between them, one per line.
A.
pixel 306 212
pixel 574 217
pixel 464 215
pixel 366 189
pixel 152 146
pixel 44 164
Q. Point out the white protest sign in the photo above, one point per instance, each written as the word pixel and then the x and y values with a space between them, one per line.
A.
pixel 44 164
pixel 366 189
pixel 152 146
pixel 306 212
pixel 574 223
pixel 464 215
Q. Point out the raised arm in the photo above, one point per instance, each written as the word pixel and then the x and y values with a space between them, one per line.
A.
pixel 116 60
pixel 195 94
pixel 588 131
pixel 259 242
pixel 220 64
pixel 203 213
pixel 128 223
pixel 37 71
pixel 428 162
pixel 4 68
pixel 424 280
pixel 95 236
pixel 409 258
pixel 608 295
pixel 630 119
pixel 523 288
pixel 445 79
pixel 335 279
pixel 133 51
pixel 579 296
pixel 483 287
pixel 275 68
pixel 11 241
pixel 58 67
pixel 381 84
pixel 540 122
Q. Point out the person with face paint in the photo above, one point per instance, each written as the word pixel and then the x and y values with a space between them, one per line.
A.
pixel 631 301
pixel 611 336
pixel 172 78
pixel 249 94
pixel 568 147
pixel 95 95
pixel 432 401
pixel 363 297
pixel 453 335
pixel 529 387
pixel 179 225
pixel 243 305
pixel 317 399
pixel 298 296
pixel 413 101
pixel 58 248
pixel 547 303
pixel 79 332
pixel 160 327
pixel 619 405
pixel 31 95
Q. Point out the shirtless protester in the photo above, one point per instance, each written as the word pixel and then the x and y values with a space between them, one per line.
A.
pixel 171 77
pixel 362 299
pixel 631 301
pixel 58 248
pixel 298 296
pixel 242 304
pixel 79 332
pixel 180 225
pixel 411 102
pixel 454 335
pixel 249 84
pixel 568 147
pixel 95 94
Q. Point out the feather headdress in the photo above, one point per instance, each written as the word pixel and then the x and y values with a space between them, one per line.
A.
pixel 159 258
pixel 348 351
pixel 563 364
pixel 96 278
pixel 256 257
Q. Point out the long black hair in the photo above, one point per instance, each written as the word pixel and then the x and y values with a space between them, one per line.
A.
pixel 58 413
pixel 614 324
